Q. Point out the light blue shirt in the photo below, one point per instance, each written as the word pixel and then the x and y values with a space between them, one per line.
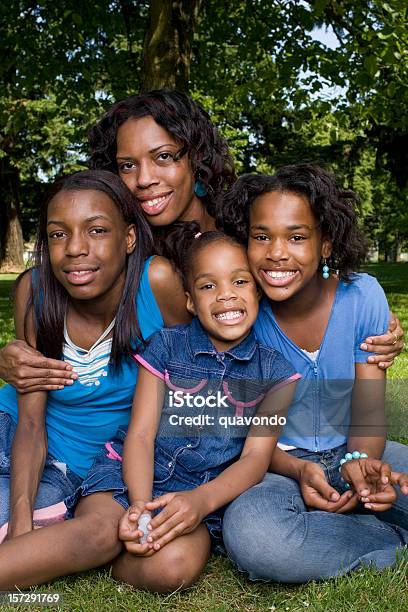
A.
pixel 319 416
pixel 81 417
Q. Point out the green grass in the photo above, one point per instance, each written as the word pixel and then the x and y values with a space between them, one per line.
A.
pixel 222 588
pixel 6 312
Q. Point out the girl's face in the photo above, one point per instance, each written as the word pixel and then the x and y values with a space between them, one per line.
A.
pixel 285 244
pixel 146 163
pixel 223 293
pixel 88 241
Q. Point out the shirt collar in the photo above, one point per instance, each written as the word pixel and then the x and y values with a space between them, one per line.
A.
pixel 200 343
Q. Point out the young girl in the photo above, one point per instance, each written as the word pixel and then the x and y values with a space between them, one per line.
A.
pixel 180 454
pixel 303 245
pixel 166 149
pixel 91 299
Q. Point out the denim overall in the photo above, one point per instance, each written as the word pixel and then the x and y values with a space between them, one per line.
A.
pixel 189 455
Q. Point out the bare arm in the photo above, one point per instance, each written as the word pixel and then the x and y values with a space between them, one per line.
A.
pixel 138 455
pixel 255 457
pixel 169 292
pixel 184 511
pixel 29 448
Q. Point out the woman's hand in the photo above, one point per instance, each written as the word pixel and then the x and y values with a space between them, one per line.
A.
pixel 319 495
pixel 129 532
pixel 28 370
pixel 389 345
pixel 182 513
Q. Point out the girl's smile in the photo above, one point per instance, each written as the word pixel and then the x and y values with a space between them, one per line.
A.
pixel 223 293
pixel 285 245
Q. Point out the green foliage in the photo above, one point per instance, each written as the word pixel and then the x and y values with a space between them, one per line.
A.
pixel 278 94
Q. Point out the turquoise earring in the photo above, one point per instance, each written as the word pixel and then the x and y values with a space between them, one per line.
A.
pixel 325 269
pixel 200 189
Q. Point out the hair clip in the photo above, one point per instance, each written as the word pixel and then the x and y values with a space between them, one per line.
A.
pixel 198 234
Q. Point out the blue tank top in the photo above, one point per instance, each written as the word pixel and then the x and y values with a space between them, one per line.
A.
pixel 81 417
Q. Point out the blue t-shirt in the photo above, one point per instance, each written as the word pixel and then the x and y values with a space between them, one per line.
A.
pixel 319 416
pixel 81 417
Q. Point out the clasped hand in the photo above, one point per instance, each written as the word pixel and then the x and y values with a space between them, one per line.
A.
pixel 181 513
pixel 373 484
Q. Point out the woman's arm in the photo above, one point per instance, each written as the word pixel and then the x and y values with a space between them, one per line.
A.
pixel 28 370
pixel 29 448
pixel 169 292
pixel 388 345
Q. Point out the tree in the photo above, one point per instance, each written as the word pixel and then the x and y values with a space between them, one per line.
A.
pixel 254 65
pixel 168 43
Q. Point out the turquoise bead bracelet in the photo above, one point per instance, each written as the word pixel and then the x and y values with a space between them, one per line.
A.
pixel 350 457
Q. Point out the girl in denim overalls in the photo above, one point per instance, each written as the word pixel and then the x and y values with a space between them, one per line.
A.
pixel 185 451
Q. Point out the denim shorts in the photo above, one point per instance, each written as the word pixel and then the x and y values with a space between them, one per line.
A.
pixel 57 479
pixel 106 475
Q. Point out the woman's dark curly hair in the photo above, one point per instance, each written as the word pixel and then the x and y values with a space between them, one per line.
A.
pixel 184 119
pixel 333 207
pixel 186 241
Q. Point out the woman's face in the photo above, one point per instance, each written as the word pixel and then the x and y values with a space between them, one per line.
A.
pixel 88 242
pixel 147 162
pixel 285 244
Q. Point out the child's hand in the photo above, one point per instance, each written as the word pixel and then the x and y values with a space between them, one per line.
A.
pixel 129 532
pixel 182 513
pixel 371 479
pixel 318 494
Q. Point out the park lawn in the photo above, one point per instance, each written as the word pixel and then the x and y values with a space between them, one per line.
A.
pixel 221 587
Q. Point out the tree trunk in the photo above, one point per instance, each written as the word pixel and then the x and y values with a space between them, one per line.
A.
pixel 11 235
pixel 167 47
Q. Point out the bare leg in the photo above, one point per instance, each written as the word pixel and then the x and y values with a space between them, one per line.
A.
pixel 178 564
pixel 86 541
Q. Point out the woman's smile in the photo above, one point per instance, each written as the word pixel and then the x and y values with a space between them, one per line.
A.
pixel 154 204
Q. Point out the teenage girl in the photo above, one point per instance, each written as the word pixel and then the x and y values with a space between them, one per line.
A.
pixel 192 469
pixel 92 297
pixel 165 148
pixel 303 247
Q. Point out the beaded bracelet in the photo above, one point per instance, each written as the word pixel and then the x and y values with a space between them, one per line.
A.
pixel 350 457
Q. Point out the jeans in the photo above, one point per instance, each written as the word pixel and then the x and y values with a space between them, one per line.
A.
pixel 57 480
pixel 270 534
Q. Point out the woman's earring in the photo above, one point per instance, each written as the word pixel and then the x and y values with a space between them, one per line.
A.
pixel 200 189
pixel 325 269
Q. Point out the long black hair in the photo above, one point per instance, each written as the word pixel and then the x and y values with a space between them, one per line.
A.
pixel 333 207
pixel 49 298
pixel 184 119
